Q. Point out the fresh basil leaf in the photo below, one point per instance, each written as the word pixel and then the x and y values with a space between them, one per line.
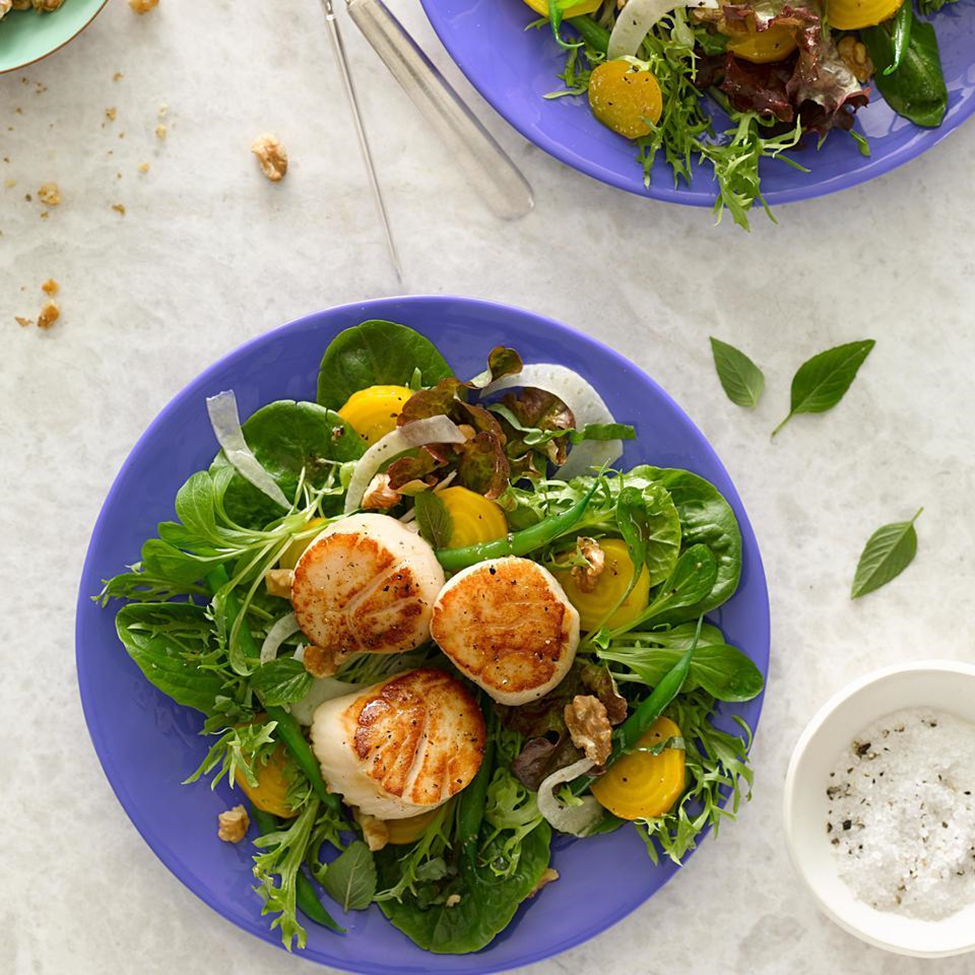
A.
pixel 823 380
pixel 603 431
pixel 350 879
pixel 169 641
pixel 289 439
pixel 433 519
pixel 720 669
pixel 376 353
pixel 281 681
pixel 740 378
pixel 914 85
pixel 705 518
pixel 888 552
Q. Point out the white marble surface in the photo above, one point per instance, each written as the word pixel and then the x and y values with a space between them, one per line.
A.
pixel 210 254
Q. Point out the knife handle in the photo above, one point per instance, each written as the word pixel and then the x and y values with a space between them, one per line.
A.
pixel 495 177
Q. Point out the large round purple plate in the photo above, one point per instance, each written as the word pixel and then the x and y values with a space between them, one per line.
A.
pixel 513 68
pixel 148 745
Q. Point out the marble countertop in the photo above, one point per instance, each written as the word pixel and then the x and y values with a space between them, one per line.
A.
pixel 209 254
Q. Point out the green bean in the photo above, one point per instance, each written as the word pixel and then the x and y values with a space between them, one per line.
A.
pixel 517 543
pixel 305 895
pixel 593 34
pixel 470 814
pixel 288 729
pixel 901 39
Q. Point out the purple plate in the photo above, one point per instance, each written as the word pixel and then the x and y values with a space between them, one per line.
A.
pixel 148 745
pixel 513 68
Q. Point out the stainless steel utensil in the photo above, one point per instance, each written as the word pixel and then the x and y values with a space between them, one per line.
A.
pixel 492 173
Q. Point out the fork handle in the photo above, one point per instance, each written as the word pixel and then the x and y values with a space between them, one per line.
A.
pixel 495 177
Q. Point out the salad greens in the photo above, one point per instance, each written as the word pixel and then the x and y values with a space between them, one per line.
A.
pixel 732 84
pixel 206 626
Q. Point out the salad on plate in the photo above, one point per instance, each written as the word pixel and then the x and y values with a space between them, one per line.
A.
pixel 730 84
pixel 430 626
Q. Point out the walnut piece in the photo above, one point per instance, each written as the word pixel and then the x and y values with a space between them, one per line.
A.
pixel 452 901
pixel 379 495
pixel 374 831
pixel 323 663
pixel 49 194
pixel 588 724
pixel 272 156
pixel 278 582
pixel 586 576
pixel 232 824
pixel 549 876
pixel 46 6
pixel 50 313
pixel 855 57
pixel 143 6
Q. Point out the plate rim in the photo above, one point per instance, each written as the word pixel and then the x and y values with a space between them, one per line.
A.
pixel 663 191
pixel 374 307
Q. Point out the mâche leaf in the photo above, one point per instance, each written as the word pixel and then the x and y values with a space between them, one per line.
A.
pixel 740 378
pixel 888 552
pixel 433 519
pixel 350 879
pixel 823 380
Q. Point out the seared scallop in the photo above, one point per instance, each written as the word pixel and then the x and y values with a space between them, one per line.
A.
pixel 508 626
pixel 366 583
pixel 401 747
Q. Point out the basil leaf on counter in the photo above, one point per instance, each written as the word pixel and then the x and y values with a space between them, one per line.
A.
pixel 433 519
pixel 823 380
pixel 915 85
pixel 888 552
pixel 740 378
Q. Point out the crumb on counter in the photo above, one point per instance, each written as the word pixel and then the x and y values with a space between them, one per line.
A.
pixel 144 167
pixel 49 194
pixel 272 156
pixel 232 825
pixel 119 208
pixel 23 322
pixel 50 287
pixel 50 313
pixel 143 6
pixel 110 113
pixel 162 111
pixel 118 76
pixel 160 131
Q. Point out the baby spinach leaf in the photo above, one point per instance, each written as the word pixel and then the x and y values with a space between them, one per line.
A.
pixel 287 437
pixel 631 518
pixel 909 77
pixel 350 879
pixel 487 902
pixel 740 378
pixel 603 431
pixel 888 552
pixel 720 669
pixel 705 518
pixel 376 353
pixel 168 641
pixel 663 532
pixel 823 380
pixel 433 519
pixel 281 681
pixel 691 581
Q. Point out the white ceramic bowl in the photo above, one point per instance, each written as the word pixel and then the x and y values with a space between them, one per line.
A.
pixel 941 684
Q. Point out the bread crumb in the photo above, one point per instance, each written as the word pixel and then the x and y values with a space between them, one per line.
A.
pixel 232 825
pixel 50 313
pixel 143 6
pixel 50 287
pixel 49 194
pixel 272 156
pixel 160 131
pixel 144 167
pixel 163 110
pixel 119 208
pixel 118 76
pixel 23 322
pixel 110 113
pixel 45 214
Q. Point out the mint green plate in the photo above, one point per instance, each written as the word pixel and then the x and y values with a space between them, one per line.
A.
pixel 26 36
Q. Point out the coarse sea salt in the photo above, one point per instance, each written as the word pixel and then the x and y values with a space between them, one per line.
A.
pixel 902 814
